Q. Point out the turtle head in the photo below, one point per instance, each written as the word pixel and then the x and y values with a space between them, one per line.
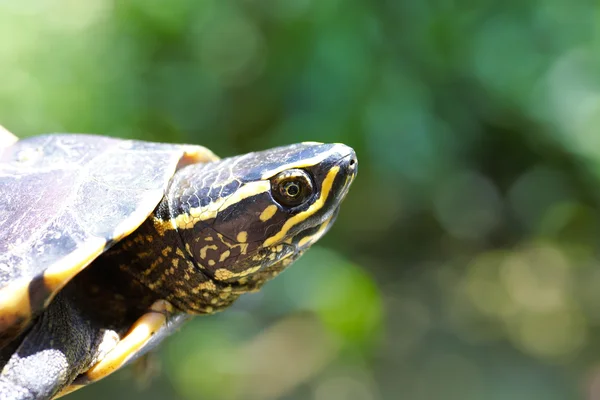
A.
pixel 244 219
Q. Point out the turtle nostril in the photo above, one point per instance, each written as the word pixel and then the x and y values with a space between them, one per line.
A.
pixel 352 163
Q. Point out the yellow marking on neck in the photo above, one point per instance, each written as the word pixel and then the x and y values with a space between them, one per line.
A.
pixel 223 274
pixel 316 206
pixel 204 286
pixel 224 295
pixel 158 261
pixel 145 254
pixel 242 237
pixel 162 226
pixel 182 294
pixel 268 213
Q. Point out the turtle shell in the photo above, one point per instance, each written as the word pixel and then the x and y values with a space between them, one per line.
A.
pixel 65 199
pixel 6 138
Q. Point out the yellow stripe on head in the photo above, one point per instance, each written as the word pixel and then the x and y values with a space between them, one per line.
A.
pixel 316 206
pixel 268 213
pixel 250 189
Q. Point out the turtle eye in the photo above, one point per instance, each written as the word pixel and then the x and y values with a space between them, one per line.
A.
pixel 292 187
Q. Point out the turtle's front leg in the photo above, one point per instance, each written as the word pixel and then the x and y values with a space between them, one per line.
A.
pixel 58 347
pixel 151 328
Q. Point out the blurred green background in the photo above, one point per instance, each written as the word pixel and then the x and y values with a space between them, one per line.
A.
pixel 464 263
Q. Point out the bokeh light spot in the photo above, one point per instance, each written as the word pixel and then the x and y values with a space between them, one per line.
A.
pixel 468 205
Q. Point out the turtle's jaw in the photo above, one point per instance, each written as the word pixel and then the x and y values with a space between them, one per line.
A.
pixel 311 235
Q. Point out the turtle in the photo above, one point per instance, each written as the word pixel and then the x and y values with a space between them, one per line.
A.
pixel 108 245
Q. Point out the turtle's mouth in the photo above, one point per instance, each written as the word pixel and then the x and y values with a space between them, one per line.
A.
pixel 308 236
